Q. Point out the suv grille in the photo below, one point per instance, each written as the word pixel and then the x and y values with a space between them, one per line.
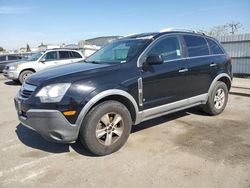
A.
pixel 26 91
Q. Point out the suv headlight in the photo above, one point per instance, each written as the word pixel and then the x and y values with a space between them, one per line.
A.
pixel 53 93
pixel 12 67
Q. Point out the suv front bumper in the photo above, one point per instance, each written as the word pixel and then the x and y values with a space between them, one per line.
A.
pixel 14 75
pixel 50 124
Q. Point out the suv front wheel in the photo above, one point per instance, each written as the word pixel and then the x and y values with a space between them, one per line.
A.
pixel 217 99
pixel 106 128
pixel 25 74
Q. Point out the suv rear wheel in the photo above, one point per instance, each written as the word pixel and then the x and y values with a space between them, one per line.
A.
pixel 217 99
pixel 106 128
pixel 25 74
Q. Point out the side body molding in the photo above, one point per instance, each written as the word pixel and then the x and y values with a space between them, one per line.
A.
pixel 102 95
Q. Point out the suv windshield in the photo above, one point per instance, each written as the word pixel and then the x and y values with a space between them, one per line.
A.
pixel 119 51
pixel 35 56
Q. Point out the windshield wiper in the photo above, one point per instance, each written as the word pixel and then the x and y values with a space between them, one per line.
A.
pixel 94 62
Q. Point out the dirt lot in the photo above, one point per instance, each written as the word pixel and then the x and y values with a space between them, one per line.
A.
pixel 185 149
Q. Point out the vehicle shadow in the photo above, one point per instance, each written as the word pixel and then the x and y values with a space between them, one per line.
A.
pixel 32 139
pixel 12 83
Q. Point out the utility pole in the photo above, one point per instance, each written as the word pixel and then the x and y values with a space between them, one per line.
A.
pixel 234 27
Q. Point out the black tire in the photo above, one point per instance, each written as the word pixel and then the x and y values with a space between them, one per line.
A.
pixel 211 107
pixel 24 75
pixel 93 121
pixel 16 81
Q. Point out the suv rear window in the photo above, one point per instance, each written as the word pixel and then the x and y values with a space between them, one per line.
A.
pixel 196 46
pixel 214 47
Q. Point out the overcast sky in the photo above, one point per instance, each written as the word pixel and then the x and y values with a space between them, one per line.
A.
pixel 68 21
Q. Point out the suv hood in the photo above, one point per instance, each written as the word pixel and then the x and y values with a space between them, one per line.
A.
pixel 66 72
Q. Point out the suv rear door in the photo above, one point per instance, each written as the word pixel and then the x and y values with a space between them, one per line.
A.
pixel 199 74
pixel 164 83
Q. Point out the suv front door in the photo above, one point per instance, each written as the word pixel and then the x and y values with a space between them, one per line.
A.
pixel 49 59
pixel 164 83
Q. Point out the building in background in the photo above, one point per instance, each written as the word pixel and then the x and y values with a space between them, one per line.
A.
pixel 238 47
pixel 90 46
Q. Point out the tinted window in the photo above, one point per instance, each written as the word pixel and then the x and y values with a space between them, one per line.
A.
pixel 215 48
pixel 168 48
pixel 196 46
pixel 64 54
pixel 11 57
pixel 2 58
pixel 76 55
pixel 51 56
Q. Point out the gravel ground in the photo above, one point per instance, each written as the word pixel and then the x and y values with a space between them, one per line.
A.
pixel 184 149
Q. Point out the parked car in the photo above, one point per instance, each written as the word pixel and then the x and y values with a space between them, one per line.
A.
pixel 19 71
pixel 5 59
pixel 129 81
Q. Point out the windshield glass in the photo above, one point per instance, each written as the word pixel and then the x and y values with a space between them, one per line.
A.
pixel 35 56
pixel 118 51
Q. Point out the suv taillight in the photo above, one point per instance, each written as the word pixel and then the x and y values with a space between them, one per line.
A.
pixel 229 60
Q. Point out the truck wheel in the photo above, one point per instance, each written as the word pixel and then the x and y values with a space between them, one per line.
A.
pixel 106 128
pixel 217 99
pixel 25 74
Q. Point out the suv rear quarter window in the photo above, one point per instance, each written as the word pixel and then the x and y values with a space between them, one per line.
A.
pixel 196 45
pixel 75 54
pixel 214 47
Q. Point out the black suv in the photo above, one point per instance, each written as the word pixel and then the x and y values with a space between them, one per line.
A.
pixel 133 79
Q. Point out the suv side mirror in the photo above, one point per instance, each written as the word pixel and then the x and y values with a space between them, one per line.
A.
pixel 42 60
pixel 154 59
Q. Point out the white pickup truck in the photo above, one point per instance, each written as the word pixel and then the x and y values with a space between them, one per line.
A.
pixel 20 70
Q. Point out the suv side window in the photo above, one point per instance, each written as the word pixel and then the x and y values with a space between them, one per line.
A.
pixel 2 58
pixel 51 56
pixel 11 57
pixel 169 48
pixel 75 54
pixel 64 54
pixel 214 47
pixel 196 45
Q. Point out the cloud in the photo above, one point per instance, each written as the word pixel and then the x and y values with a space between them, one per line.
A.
pixel 14 9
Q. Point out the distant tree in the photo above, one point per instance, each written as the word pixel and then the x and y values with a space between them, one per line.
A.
pixel 28 48
pixel 2 49
pixel 221 30
pixel 234 27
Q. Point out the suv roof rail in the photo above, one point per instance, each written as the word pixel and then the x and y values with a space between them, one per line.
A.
pixel 64 48
pixel 184 30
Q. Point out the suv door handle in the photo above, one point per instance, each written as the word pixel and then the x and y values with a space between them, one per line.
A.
pixel 213 64
pixel 183 70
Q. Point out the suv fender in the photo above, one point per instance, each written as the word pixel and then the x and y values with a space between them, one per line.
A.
pixel 102 95
pixel 222 77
